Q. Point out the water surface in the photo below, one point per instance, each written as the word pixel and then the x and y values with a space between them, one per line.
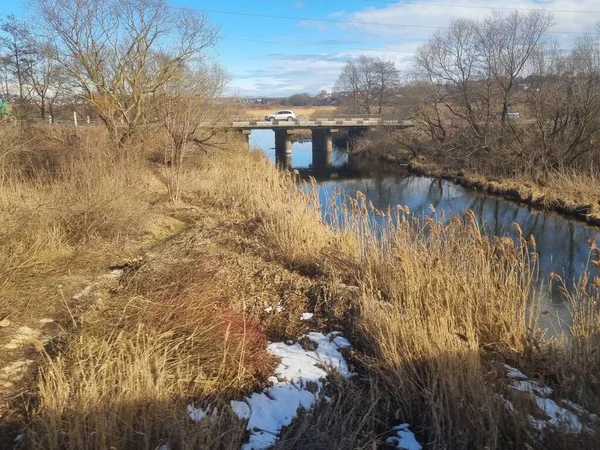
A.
pixel 562 244
pixel 301 150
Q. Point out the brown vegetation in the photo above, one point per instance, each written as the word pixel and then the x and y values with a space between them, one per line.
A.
pixel 498 106
pixel 211 236
pixel 438 310
pixel 260 111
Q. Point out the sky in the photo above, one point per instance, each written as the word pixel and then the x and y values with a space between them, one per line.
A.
pixel 281 47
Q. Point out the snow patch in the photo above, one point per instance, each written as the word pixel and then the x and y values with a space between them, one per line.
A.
pixel 241 409
pixel 512 372
pixel 297 383
pixel 531 386
pixel 567 420
pixel 197 414
pixel 404 439
pixel 270 309
pixel 306 316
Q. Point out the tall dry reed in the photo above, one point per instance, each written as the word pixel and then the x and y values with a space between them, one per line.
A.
pixel 436 311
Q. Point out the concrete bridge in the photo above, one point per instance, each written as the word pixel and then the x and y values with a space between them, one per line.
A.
pixel 321 129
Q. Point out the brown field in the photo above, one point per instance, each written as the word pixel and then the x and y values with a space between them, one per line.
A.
pixel 437 310
pixel 259 111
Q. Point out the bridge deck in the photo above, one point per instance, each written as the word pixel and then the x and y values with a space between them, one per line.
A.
pixel 250 124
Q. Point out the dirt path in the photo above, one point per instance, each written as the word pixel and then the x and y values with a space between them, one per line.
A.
pixel 23 344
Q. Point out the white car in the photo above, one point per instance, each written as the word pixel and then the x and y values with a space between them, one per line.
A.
pixel 282 115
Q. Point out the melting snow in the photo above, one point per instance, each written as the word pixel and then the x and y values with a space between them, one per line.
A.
pixel 404 439
pixel 297 383
pixel 278 308
pixel 306 316
pixel 558 416
pixel 511 372
pixel 241 409
pixel 197 414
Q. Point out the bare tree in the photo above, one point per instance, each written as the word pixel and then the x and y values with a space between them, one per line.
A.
pixel 367 84
pixel 5 75
pixel 451 61
pixel 508 41
pixel 472 68
pixel 47 78
pixel 121 52
pixel 190 110
pixel 387 82
pixel 18 52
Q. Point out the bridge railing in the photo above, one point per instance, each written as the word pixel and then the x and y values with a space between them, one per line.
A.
pixel 316 122
pixel 314 117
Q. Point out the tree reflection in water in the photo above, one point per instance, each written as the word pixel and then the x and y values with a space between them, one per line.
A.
pixel 562 244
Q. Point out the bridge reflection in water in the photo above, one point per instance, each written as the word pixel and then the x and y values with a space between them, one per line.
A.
pixel 562 244
pixel 302 157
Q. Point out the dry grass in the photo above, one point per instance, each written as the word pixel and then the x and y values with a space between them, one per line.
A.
pixel 439 308
pixel 129 392
pixel 582 359
pixel 260 111
pixel 289 222
pixel 60 194
pixel 125 380
pixel 440 304
pixel 584 185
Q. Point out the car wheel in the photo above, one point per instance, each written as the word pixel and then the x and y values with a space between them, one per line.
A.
pixel 272 119
pixel 290 119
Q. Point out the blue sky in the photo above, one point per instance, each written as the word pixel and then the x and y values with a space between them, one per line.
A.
pixel 304 54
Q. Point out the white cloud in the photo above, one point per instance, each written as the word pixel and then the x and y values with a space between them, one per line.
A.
pixel 283 74
pixel 431 17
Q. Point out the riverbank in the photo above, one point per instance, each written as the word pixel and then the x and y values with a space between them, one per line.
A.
pixel 569 193
pixel 422 330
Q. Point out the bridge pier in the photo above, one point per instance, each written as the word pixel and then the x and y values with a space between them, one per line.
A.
pixel 283 160
pixel 322 147
pixel 283 148
pixel 283 141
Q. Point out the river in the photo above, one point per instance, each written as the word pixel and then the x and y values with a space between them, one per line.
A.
pixel 562 244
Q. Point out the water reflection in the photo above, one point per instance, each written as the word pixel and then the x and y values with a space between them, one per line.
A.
pixel 283 160
pixel 562 244
pixel 301 156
